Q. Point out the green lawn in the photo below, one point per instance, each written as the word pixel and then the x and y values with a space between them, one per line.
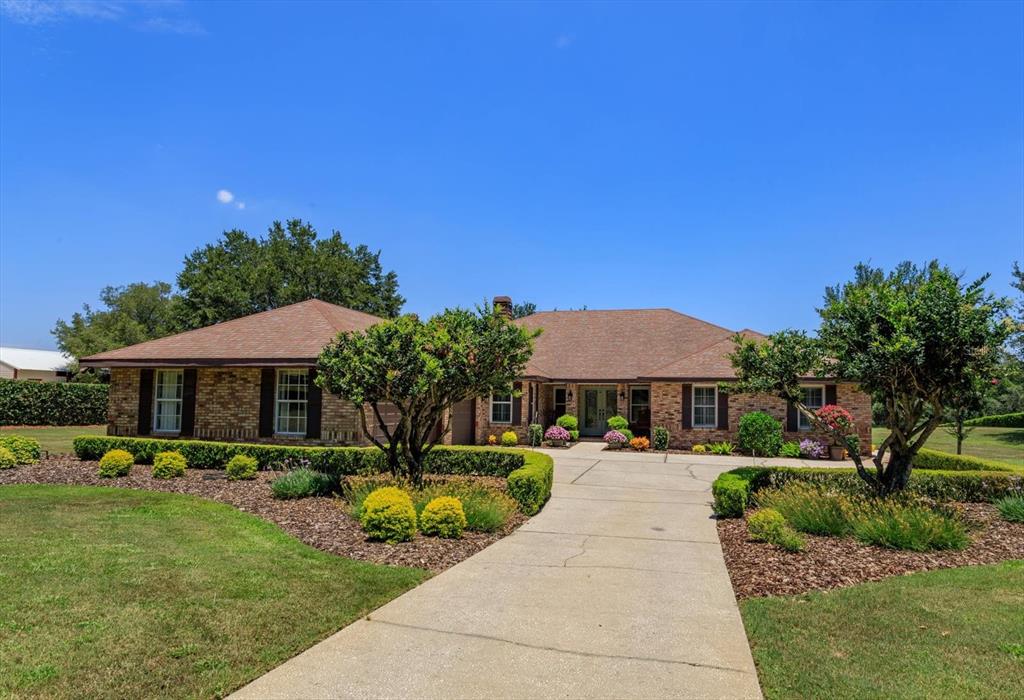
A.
pixel 57 438
pixel 956 633
pixel 1006 444
pixel 116 593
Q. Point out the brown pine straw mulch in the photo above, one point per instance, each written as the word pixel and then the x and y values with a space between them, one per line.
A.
pixel 762 569
pixel 321 522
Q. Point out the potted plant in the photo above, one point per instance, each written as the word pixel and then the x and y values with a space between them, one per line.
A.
pixel 614 439
pixel 556 436
pixel 840 423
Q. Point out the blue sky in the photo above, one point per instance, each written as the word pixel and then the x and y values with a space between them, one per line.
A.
pixel 725 160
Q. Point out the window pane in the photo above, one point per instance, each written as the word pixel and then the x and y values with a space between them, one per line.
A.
pixel 814 398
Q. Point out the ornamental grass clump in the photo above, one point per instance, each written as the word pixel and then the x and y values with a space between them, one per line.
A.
pixel 302 483
pixel 241 467
pixel 169 465
pixel 614 439
pixel 1011 508
pixel 443 517
pixel 116 463
pixel 721 448
pixel 810 508
pixel 916 527
pixel 388 515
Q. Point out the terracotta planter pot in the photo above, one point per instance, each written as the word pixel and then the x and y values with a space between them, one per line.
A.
pixel 836 453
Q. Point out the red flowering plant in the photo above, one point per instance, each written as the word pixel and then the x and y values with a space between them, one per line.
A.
pixel 838 421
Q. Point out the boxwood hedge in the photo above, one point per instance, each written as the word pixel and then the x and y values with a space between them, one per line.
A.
pixel 52 403
pixel 1002 420
pixel 933 459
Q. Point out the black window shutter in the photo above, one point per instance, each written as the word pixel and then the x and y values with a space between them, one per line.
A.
pixel 791 423
pixel 529 406
pixel 723 410
pixel 188 403
pixel 314 406
pixel 267 387
pixel 830 393
pixel 687 406
pixel 145 401
pixel 517 403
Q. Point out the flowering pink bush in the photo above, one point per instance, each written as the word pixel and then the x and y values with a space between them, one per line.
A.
pixel 614 437
pixel 836 418
pixel 556 432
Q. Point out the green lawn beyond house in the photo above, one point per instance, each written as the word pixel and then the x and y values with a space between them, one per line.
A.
pixel 115 593
pixel 56 439
pixel 1006 444
pixel 957 633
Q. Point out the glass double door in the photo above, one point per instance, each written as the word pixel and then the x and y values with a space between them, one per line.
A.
pixel 599 404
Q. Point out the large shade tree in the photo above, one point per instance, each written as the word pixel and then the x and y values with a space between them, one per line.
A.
pixel 131 314
pixel 915 338
pixel 421 370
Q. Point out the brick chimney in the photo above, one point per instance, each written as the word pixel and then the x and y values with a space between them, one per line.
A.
pixel 504 305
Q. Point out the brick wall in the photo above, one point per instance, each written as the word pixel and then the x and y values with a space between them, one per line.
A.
pixel 123 405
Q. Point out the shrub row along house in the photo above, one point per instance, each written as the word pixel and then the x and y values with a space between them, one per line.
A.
pixel 251 379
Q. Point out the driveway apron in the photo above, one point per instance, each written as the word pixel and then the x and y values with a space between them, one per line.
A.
pixel 616 589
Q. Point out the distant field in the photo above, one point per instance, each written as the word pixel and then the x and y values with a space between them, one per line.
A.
pixel 1006 444
pixel 56 439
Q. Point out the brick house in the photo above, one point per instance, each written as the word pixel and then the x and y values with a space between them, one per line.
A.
pixel 250 379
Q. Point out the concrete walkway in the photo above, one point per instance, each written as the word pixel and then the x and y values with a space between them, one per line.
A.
pixel 617 589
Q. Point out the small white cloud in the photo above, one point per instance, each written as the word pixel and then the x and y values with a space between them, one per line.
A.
pixel 141 16
pixel 240 205
pixel 564 41
pixel 225 196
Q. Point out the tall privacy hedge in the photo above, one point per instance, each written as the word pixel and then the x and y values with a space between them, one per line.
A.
pixel 1002 420
pixel 52 403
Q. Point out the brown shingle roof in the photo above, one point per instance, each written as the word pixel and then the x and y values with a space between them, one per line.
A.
pixel 623 345
pixel 293 334
pixel 711 362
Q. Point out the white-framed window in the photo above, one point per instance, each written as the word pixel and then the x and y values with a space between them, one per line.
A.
pixel 814 398
pixel 291 404
pixel 501 408
pixel 705 406
pixel 168 389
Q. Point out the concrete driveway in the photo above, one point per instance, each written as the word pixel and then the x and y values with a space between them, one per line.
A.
pixel 616 589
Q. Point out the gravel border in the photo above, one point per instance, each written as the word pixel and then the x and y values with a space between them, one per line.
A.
pixel 321 522
pixel 762 569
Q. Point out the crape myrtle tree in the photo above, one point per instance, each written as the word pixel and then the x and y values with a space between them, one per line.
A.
pixel 421 370
pixel 915 338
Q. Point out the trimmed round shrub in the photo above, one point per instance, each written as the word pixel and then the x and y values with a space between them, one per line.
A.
pixel 762 524
pixel 790 449
pixel 617 423
pixel 116 463
pixel 568 422
pixel 443 517
pixel 660 441
pixel 699 449
pixel 241 467
pixel 509 439
pixel 25 449
pixel 760 434
pixel 168 465
pixel 388 515
pixel 7 459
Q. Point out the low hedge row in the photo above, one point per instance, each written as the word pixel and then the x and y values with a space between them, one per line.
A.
pixel 732 490
pixel 531 484
pixel 933 459
pixel 1002 420
pixel 52 403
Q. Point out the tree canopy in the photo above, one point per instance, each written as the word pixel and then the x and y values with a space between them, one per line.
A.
pixel 917 338
pixel 132 314
pixel 422 369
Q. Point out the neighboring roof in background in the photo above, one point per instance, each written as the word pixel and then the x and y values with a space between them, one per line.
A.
pixel 628 344
pixel 39 360
pixel 293 334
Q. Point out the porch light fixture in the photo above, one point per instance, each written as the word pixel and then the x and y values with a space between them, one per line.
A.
pixel 569 394
pixel 622 394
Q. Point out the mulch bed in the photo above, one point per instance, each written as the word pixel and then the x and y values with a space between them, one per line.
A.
pixel 321 522
pixel 762 569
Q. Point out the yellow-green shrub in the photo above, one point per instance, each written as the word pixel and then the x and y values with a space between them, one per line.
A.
pixel 116 463
pixel 7 459
pixel 509 439
pixel 699 449
pixel 25 449
pixel 167 465
pixel 768 525
pixel 241 467
pixel 531 485
pixel 388 514
pixel 443 517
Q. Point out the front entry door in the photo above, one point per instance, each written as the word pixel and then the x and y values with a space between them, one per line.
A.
pixel 598 406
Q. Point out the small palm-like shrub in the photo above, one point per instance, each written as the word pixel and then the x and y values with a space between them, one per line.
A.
pixel 509 439
pixel 809 508
pixel 25 449
pixel 768 525
pixel 1011 508
pixel 535 432
pixel 721 448
pixel 699 449
pixel 241 467
pixel 443 517
pixel 889 523
pixel 388 515
pixel 116 463
pixel 660 441
pixel 617 423
pixel 302 483
pixel 7 459
pixel 568 422
pixel 168 465
pixel 790 449
pixel 760 434
pixel 640 444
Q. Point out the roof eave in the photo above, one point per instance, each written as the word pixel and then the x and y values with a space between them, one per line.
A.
pixel 200 362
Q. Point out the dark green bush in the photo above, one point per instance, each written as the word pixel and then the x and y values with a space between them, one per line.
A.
pixel 302 483
pixel 1003 420
pixel 531 484
pixel 535 433
pixel 933 459
pixel 25 449
pixel 52 403
pixel 760 434
pixel 660 439
pixel 731 492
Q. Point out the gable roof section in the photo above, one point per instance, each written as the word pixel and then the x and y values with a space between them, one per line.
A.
pixel 29 359
pixel 293 334
pixel 604 346
pixel 711 362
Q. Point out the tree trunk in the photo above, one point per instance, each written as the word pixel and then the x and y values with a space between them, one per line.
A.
pixel 896 475
pixel 959 435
